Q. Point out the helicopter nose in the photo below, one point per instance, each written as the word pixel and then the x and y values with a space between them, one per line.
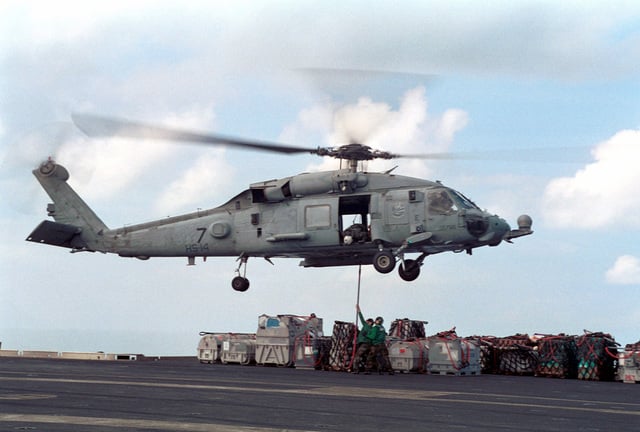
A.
pixel 498 228
pixel 502 227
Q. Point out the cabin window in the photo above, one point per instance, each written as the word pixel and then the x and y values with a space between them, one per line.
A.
pixel 317 216
pixel 257 195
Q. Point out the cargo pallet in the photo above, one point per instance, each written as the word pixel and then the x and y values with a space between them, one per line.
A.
pixel 454 356
pixel 629 364
pixel 630 376
pixel 408 356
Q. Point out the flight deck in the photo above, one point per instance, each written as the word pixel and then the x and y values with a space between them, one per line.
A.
pixel 184 394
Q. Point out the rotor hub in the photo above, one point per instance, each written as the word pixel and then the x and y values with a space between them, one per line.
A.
pixel 354 152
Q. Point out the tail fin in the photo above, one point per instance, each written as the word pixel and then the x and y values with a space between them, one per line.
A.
pixel 76 226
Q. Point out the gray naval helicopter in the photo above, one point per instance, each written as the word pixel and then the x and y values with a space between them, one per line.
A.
pixel 334 218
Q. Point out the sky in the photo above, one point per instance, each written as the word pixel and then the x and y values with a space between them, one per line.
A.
pixel 551 88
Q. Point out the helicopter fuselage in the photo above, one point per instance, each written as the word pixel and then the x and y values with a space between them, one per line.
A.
pixel 329 218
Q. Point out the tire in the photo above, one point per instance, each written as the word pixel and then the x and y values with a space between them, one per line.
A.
pixel 240 284
pixel 409 270
pixel 384 262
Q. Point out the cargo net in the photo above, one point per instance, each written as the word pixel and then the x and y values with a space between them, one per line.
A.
pixel 406 329
pixel 306 350
pixel 342 346
pixel 557 357
pixel 597 356
pixel 323 345
pixel 513 355
pixel 488 359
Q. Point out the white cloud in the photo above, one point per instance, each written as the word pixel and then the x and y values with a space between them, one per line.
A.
pixel 625 271
pixel 603 192
pixel 44 22
pixel 313 120
pixel 203 181
pixel 410 129
pixel 577 39
pixel 103 168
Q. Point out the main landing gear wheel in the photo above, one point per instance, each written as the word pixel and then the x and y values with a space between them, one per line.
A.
pixel 409 270
pixel 240 283
pixel 384 261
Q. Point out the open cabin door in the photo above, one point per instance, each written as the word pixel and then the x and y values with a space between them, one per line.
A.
pixel 355 218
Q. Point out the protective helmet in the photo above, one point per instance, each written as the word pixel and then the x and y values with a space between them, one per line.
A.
pixel 379 319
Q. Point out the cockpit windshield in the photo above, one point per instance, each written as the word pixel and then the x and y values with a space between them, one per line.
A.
pixel 462 200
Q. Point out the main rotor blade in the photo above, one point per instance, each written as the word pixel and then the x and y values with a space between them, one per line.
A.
pixel 98 126
pixel 573 154
pixel 436 156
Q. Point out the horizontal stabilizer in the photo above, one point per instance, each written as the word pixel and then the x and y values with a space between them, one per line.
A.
pixel 57 234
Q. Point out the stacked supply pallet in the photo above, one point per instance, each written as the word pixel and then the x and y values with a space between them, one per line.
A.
pixel 323 345
pixel 515 355
pixel 405 329
pixel 407 346
pixel 342 346
pixel 488 353
pixel 597 354
pixel 557 356
pixel 209 347
pixel 282 340
pixel 629 367
pixel 238 348
pixel 409 355
pixel 452 355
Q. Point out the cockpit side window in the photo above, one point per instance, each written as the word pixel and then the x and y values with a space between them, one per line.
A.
pixel 440 202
